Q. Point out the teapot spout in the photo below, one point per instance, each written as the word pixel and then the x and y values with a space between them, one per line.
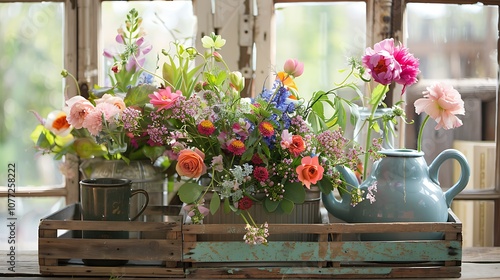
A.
pixel 341 208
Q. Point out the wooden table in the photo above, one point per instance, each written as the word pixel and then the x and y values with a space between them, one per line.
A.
pixel 477 263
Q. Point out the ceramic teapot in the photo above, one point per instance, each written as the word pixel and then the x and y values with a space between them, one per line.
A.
pixel 407 191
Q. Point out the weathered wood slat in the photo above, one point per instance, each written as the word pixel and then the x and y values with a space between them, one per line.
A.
pixel 327 228
pixel 120 249
pixel 369 251
pixel 326 273
pixel 122 271
pixel 111 225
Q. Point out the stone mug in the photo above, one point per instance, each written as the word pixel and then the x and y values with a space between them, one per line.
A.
pixel 108 199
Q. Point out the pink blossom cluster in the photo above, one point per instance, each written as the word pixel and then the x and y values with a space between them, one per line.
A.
pixel 388 63
pixel 81 113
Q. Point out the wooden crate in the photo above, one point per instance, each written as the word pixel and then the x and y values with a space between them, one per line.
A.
pixel 176 250
pixel 153 248
pixel 336 253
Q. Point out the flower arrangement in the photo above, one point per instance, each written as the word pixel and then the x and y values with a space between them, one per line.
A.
pixel 105 124
pixel 195 124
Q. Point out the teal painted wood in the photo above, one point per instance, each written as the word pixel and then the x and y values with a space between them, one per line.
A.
pixel 276 251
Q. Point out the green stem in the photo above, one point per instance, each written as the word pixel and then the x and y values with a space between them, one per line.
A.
pixel 76 83
pixel 369 132
pixel 420 132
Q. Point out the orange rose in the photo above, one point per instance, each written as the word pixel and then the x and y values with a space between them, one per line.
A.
pixel 310 172
pixel 190 163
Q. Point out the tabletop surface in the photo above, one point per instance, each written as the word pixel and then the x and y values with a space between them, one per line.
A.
pixel 477 263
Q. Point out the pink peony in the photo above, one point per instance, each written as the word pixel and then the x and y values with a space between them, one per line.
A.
pixel 442 103
pixel 109 111
pixel 409 67
pixel 164 98
pixel 293 67
pixel 77 110
pixel 93 122
pixel 381 63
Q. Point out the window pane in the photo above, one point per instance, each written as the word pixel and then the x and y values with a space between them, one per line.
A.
pixel 28 212
pixel 31 40
pixel 339 32
pixel 454 41
pixel 163 22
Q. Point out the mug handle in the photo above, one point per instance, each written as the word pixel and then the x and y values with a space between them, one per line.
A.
pixel 134 192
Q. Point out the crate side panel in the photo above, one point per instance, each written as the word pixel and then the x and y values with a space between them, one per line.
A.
pixel 120 249
pixel 239 251
pixel 388 251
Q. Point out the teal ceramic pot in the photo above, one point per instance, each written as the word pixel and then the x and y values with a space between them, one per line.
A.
pixel 407 191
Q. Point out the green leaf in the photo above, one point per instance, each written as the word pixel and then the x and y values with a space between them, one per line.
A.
pixel 287 206
pixel 227 206
pixel 325 185
pixel 153 152
pixel 377 94
pixel 375 127
pixel 214 203
pixel 190 192
pixel 38 136
pixel 271 205
pixel 139 95
pixel 295 192
pixel 265 149
pixel 247 155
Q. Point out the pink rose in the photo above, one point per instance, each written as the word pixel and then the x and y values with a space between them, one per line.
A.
pixel 190 163
pixel 442 103
pixel 77 110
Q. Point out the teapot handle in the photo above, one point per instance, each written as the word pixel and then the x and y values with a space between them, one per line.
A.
pixel 464 172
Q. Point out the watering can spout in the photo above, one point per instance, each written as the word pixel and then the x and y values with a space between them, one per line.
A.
pixel 341 208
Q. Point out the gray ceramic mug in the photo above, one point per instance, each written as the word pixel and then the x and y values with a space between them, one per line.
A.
pixel 108 199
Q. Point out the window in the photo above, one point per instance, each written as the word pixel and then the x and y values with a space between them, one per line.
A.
pixel 458 43
pixel 340 33
pixel 32 43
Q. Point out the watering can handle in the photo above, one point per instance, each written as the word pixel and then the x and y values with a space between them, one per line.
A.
pixel 464 172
